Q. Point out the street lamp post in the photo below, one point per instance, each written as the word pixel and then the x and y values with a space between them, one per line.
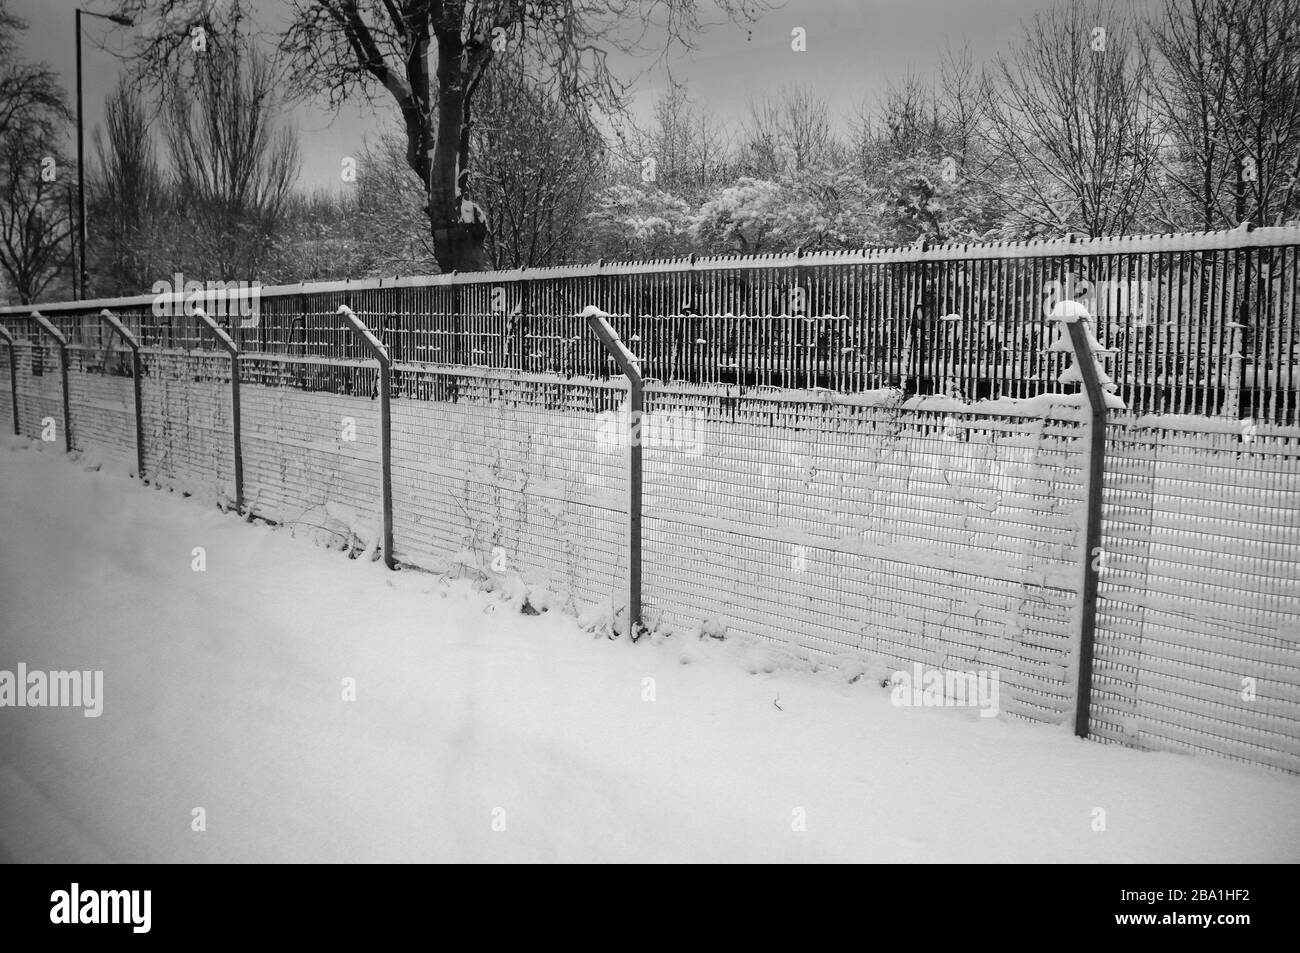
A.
pixel 81 148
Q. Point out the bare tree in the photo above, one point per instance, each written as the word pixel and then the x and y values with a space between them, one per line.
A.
pixel 1073 122
pixel 127 197
pixel 30 97
pixel 234 169
pixel 905 124
pixel 964 94
pixel 788 133
pixel 383 49
pixel 35 213
pixel 1227 86
pixel 389 199
pixel 691 148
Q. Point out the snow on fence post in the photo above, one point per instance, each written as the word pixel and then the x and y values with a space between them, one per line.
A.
pixel 112 320
pixel 630 365
pixel 385 424
pixel 8 339
pixel 62 341
pixel 1084 347
pixel 233 350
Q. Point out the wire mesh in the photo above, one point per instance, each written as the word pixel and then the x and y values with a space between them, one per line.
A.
pixel 1200 323
pixel 186 412
pixel 874 530
pixel 310 431
pixel 511 474
pixel 40 391
pixel 6 390
pixel 1198 642
pixel 101 399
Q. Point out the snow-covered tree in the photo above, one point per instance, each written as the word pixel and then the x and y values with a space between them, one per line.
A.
pixel 629 222
pixel 536 173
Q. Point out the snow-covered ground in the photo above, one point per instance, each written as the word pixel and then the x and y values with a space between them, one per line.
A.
pixel 223 690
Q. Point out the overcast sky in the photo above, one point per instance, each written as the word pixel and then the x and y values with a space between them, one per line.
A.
pixel 853 48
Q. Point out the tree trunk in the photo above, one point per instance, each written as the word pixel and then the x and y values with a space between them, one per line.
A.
pixel 457 245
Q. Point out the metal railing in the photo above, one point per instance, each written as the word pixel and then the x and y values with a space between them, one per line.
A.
pixel 1201 323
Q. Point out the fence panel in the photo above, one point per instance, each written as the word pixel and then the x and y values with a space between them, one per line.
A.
pixel 101 398
pixel 1198 641
pixel 895 533
pixel 510 473
pixel 310 433
pixel 1201 323
pixel 6 388
pixel 40 390
pixel 186 416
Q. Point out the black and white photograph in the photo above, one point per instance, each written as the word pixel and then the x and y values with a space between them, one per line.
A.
pixel 650 432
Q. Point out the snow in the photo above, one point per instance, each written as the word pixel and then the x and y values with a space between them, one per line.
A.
pixel 223 690
pixel 1068 312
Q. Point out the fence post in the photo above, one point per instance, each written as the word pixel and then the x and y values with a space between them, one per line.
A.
pixel 385 423
pixel 62 341
pixel 630 365
pixel 232 349
pixel 133 343
pixel 457 323
pixel 1074 315
pixel 521 325
pixel 13 375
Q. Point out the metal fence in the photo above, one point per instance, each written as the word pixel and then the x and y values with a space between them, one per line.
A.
pixel 1201 323
pixel 1198 636
pixel 871 529
pixel 872 532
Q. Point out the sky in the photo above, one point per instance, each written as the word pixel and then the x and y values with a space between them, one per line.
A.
pixel 854 47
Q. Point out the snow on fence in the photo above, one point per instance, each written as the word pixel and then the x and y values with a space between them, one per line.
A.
pixel 1201 323
pixel 1198 641
pixel 508 477
pixel 40 397
pixel 102 402
pixel 311 457
pixel 186 420
pixel 873 532
pixel 869 528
